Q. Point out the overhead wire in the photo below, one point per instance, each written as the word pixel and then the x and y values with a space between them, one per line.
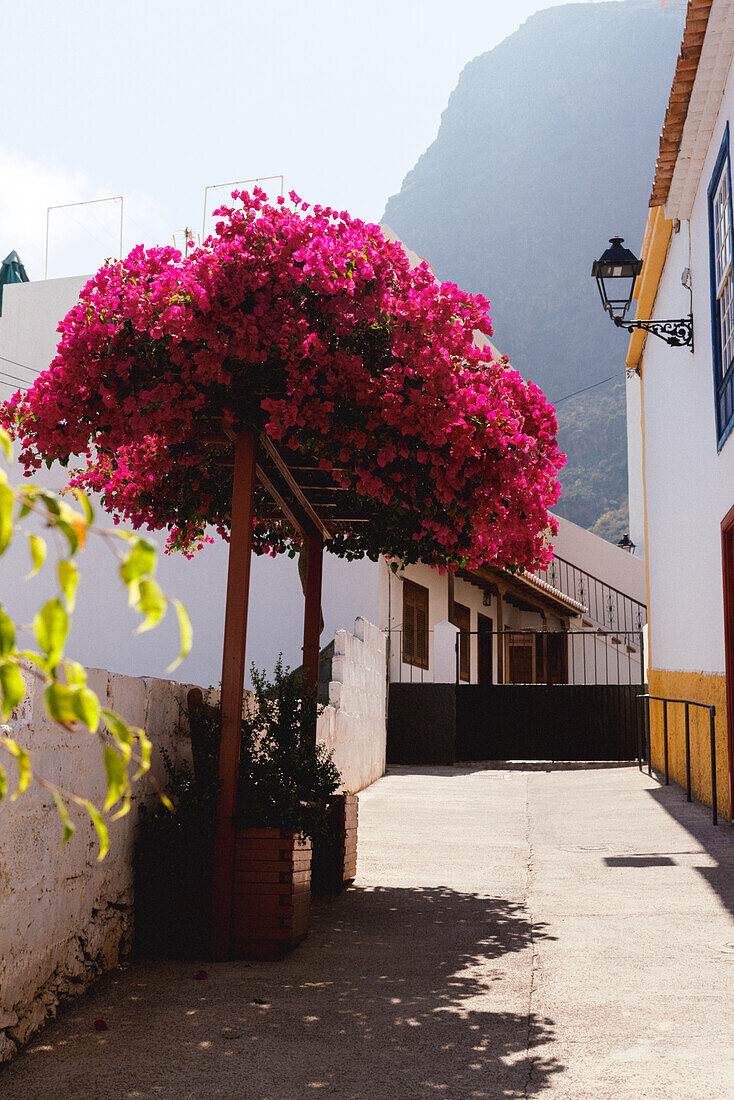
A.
pixel 14 377
pixel 586 388
pixel 15 363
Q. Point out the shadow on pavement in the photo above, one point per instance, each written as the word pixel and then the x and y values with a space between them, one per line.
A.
pixel 464 767
pixel 397 993
pixel 716 840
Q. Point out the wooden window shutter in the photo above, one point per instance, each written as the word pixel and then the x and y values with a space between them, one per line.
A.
pixel 415 624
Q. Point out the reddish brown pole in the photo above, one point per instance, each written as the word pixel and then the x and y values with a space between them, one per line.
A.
pixel 233 680
pixel 312 627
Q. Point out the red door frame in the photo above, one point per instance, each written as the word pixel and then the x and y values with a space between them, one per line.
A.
pixel 727 571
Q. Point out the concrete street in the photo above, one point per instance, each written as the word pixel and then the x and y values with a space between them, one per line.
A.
pixel 512 933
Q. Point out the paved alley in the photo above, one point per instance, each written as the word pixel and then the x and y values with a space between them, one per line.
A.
pixel 512 933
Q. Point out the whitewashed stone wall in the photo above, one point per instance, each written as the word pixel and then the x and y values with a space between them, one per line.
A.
pixel 65 917
pixel 353 724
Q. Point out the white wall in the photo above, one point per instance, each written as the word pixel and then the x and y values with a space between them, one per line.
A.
pixel 353 724
pixel 635 483
pixel 31 312
pixel 65 916
pixel 690 487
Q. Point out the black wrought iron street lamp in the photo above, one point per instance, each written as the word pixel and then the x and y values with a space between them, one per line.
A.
pixel 615 273
pixel 626 543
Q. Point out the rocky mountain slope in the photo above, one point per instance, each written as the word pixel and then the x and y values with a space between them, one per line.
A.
pixel 546 149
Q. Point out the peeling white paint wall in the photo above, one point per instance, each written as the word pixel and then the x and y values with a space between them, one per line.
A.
pixel 353 724
pixel 65 916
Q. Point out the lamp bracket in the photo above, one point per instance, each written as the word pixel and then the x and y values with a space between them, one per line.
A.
pixel 678 334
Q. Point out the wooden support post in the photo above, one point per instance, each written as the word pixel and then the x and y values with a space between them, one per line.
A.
pixel 312 626
pixel 500 638
pixel 233 679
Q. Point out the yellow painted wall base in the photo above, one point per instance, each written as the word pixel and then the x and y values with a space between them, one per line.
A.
pixel 703 688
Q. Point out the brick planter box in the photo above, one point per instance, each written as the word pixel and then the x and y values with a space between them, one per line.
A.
pixel 272 892
pixel 335 857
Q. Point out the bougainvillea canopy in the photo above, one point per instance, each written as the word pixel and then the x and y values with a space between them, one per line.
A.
pixel 307 324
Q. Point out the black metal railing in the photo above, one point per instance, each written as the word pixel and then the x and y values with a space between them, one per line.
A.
pixel 417 673
pixel 607 605
pixel 687 704
pixel 594 657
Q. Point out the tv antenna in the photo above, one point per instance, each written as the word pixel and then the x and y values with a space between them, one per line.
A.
pixel 87 202
pixel 237 183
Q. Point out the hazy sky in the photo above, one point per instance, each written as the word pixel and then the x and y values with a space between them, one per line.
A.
pixel 155 99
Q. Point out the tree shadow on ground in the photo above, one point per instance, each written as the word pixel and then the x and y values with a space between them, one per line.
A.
pixel 397 993
pixel 717 841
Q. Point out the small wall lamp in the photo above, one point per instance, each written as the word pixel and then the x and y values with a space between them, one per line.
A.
pixel 615 272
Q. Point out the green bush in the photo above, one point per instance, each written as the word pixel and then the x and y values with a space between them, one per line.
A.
pixel 284 782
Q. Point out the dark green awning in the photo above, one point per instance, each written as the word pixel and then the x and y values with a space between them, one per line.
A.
pixel 11 271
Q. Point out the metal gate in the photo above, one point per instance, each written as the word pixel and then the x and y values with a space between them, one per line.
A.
pixel 571 695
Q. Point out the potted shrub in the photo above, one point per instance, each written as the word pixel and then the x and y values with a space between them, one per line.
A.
pixel 284 785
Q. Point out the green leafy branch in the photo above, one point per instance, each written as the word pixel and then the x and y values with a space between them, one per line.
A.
pixel 67 697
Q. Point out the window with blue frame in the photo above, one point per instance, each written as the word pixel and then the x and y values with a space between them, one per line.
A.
pixel 722 294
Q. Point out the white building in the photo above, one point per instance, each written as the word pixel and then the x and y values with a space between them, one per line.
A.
pixel 681 402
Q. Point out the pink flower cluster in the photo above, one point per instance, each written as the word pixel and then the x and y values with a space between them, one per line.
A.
pixel 306 323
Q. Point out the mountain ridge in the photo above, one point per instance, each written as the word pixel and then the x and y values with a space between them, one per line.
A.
pixel 546 148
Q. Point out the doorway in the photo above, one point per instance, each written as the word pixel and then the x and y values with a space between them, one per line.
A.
pixel 727 567
pixel 485 627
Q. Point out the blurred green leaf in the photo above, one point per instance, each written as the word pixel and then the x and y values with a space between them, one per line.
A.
pixel 51 625
pixel 53 507
pixel 75 673
pixel 86 707
pixel 120 730
pixel 116 776
pixel 69 531
pixel 11 686
pixel 186 634
pixel 151 604
pixel 104 838
pixel 60 703
pixel 86 505
pixel 6 444
pixel 3 784
pixel 124 809
pixel 7 634
pixel 23 760
pixel 139 562
pixel 6 513
pixel 68 579
pixel 69 829
pixel 146 748
pixel 38 553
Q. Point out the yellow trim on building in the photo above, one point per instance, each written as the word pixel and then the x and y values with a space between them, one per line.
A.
pixel 704 688
pixel 654 250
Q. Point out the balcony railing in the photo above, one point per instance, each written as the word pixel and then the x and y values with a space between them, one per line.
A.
pixel 608 607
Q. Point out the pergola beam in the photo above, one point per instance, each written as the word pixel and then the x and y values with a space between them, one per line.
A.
pixel 275 457
pixel 233 682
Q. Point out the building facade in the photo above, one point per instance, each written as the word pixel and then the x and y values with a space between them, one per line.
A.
pixel 681 407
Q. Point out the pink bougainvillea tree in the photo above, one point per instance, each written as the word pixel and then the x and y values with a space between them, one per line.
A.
pixel 308 324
